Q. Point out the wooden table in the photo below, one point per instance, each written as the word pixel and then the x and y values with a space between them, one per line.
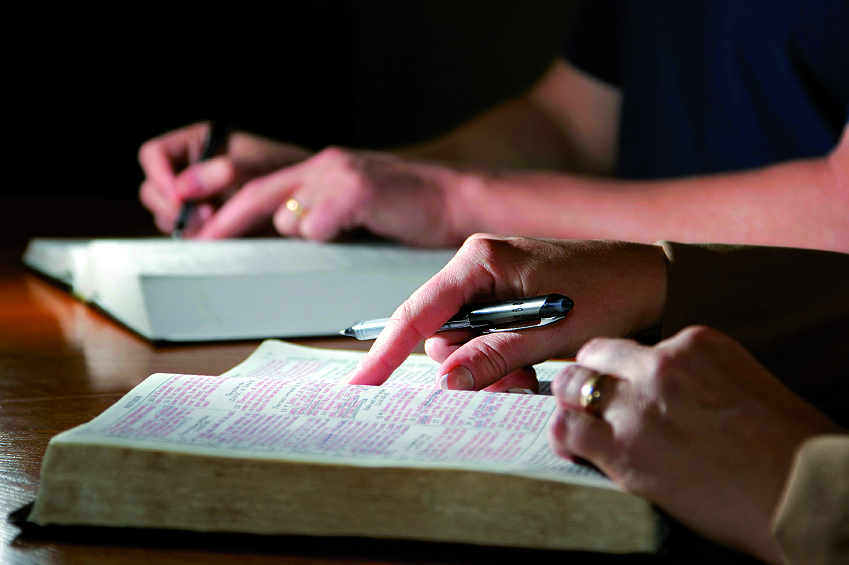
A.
pixel 62 363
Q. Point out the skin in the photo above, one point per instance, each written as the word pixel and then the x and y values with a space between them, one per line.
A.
pixel 535 166
pixel 169 181
pixel 618 290
pixel 698 388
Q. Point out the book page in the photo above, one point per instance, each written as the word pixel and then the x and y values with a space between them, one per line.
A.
pixel 233 257
pixel 280 359
pixel 321 421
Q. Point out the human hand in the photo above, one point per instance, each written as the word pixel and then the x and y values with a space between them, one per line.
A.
pixel 173 175
pixel 618 290
pixel 694 424
pixel 338 190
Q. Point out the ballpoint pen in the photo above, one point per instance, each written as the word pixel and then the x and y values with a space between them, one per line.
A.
pixel 213 141
pixel 488 317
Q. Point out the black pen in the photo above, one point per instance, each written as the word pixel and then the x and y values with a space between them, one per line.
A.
pixel 488 317
pixel 215 138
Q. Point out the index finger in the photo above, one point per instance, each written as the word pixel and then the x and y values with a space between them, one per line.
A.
pixel 623 358
pixel 456 285
pixel 254 203
pixel 159 156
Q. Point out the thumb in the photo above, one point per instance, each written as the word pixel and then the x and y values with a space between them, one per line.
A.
pixel 485 360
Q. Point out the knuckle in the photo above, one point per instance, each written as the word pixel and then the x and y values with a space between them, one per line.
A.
pixel 485 245
pixel 407 312
pixel 692 343
pixel 563 382
pixel 475 237
pixel 227 171
pixel 146 150
pixel 332 153
pixel 589 348
pixel 698 336
pixel 570 372
pixel 489 358
pixel 490 252
pixel 670 374
pixel 666 362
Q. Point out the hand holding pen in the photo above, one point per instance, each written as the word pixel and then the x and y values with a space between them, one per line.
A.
pixel 174 174
pixel 618 290
pixel 489 317
pixel 215 139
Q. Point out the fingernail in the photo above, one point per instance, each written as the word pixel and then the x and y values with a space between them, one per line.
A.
pixel 521 391
pixel 458 378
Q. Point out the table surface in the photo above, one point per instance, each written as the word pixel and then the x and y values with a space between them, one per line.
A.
pixel 62 363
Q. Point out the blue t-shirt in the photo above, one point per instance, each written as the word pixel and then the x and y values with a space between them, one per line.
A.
pixel 718 85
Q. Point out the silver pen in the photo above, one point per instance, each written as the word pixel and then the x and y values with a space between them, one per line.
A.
pixel 488 317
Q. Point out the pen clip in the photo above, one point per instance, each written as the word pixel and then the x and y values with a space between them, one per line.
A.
pixel 512 328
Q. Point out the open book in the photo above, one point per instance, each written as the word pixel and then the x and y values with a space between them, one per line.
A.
pixel 278 446
pixel 181 290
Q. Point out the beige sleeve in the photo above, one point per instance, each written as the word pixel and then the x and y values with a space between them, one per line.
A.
pixel 811 523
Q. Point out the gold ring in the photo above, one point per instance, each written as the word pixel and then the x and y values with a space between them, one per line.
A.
pixel 296 207
pixel 591 392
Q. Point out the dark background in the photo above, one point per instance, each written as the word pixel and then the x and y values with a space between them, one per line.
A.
pixel 89 86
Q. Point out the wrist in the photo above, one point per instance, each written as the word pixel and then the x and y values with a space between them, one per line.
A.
pixel 492 201
pixel 467 198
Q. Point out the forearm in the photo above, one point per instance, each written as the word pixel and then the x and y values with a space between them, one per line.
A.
pixel 514 135
pixel 795 204
pixel 567 121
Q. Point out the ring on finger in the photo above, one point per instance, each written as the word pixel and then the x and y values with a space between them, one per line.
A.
pixel 296 207
pixel 592 391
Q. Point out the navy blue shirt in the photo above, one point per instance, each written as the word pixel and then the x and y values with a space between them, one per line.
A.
pixel 718 85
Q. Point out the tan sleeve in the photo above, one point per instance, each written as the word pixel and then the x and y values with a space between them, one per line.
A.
pixel 811 523
pixel 788 307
